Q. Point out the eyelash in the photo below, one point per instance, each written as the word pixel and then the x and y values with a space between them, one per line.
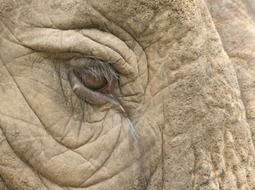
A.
pixel 100 70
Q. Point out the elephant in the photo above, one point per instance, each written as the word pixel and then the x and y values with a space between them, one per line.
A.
pixel 127 95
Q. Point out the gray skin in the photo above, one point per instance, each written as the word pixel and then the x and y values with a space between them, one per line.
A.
pixel 177 89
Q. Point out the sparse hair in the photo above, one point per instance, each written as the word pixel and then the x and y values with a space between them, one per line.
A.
pixel 99 69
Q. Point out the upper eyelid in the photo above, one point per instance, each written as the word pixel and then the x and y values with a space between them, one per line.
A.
pixel 87 42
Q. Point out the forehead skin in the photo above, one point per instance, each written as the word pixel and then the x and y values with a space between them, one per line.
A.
pixel 137 17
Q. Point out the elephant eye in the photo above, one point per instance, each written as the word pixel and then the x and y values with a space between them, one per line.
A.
pixel 95 82
pixel 98 76
pixel 91 81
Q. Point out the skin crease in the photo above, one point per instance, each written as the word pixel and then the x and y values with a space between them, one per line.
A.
pixel 177 84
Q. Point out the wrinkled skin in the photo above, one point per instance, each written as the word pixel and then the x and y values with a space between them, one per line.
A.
pixel 186 84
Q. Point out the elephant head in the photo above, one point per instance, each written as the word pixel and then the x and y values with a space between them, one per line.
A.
pixel 114 94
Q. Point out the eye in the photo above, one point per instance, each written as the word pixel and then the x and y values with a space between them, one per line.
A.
pixel 98 76
pixel 90 80
pixel 95 82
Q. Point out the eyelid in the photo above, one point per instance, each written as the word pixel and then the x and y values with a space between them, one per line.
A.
pixel 88 42
pixel 81 62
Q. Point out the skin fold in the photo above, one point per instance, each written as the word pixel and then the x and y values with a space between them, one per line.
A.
pixel 185 88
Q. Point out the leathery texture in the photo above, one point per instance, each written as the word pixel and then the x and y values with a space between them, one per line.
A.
pixel 185 89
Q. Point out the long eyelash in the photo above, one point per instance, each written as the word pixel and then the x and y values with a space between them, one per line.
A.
pixel 99 69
